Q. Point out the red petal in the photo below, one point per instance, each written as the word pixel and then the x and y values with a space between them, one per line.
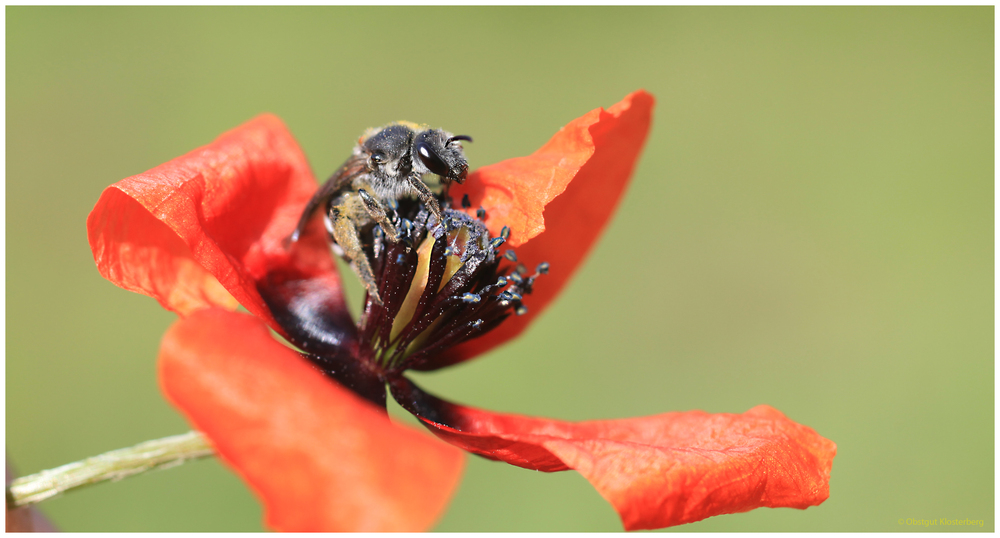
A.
pixel 576 179
pixel 656 471
pixel 216 215
pixel 319 457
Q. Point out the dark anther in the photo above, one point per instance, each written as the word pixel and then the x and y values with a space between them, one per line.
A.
pixel 505 233
pixel 543 268
pixel 481 214
pixel 510 255
pixel 496 242
pixel 466 204
pixel 521 310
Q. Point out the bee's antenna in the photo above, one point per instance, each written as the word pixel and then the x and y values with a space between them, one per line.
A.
pixel 457 138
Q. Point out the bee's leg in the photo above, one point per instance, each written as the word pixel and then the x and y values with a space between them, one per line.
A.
pixel 351 169
pixel 345 234
pixel 378 213
pixel 425 195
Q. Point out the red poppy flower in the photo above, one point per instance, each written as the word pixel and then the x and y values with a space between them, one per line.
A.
pixel 307 428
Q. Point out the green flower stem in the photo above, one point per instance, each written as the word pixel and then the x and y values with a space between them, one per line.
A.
pixel 114 465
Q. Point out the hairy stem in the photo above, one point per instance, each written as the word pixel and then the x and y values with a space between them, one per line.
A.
pixel 114 465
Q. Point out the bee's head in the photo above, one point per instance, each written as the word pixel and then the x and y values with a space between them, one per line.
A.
pixel 439 152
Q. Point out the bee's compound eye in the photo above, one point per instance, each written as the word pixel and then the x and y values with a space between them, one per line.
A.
pixel 431 160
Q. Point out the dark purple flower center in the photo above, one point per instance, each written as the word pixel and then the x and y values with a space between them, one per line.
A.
pixel 441 284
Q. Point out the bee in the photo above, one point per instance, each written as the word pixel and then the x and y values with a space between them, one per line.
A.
pixel 387 163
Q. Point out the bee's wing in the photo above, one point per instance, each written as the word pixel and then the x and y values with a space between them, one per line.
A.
pixel 340 179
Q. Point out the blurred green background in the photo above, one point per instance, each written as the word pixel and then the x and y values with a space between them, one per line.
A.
pixel 810 227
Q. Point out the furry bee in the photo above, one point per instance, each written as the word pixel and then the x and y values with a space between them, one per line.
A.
pixel 386 164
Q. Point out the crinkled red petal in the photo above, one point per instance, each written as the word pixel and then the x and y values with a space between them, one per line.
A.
pixel 557 202
pixel 656 471
pixel 218 215
pixel 319 457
